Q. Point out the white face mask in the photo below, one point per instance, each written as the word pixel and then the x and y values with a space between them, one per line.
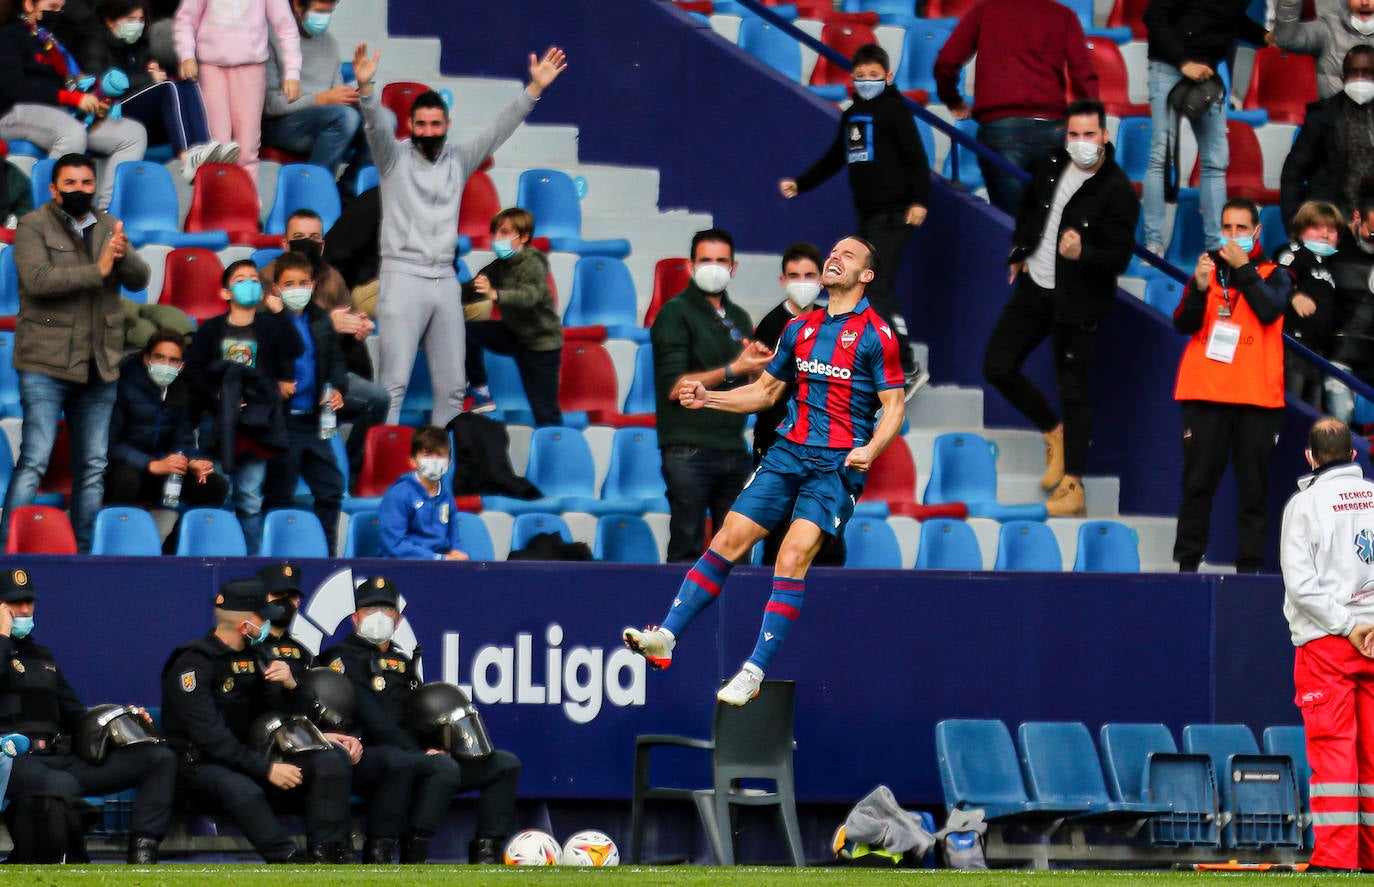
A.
pixel 1360 91
pixel 1364 26
pixel 296 298
pixel 1084 154
pixel 803 292
pixel 376 627
pixel 711 279
pixel 432 468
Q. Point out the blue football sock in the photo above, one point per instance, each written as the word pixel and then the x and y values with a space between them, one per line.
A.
pixel 779 615
pixel 699 590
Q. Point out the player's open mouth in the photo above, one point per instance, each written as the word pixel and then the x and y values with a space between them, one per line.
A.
pixel 834 270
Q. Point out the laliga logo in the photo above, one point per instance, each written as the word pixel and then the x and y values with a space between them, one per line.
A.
pixel 331 605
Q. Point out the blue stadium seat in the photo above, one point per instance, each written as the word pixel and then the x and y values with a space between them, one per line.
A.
pixel 1273 231
pixel 526 526
pixel 1107 546
pixel 1028 545
pixel 265 256
pixel 464 273
pixel 1163 294
pixel 503 380
pixel 1142 763
pixel 603 294
pixel 40 177
pixel 293 533
pixel 6 464
pixel 1060 765
pixel 9 283
pixel 364 536
pixel 304 186
pixel 636 469
pixel 561 466
pixel 948 544
pixel 1261 793
pixel 640 398
pixel 771 45
pixel 1133 147
pixel 916 69
pixel 145 200
pixel 552 197
pixel 970 173
pixel 964 469
pixel 624 539
pixel 869 543
pixel 978 768
pixel 25 148
pixel 1186 242
pixel 211 532
pixel 1084 10
pixel 1292 741
pixel 474 539
pixel 419 399
pixel 368 178
pixel 125 531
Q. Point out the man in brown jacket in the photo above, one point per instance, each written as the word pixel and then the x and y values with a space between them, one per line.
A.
pixel 68 341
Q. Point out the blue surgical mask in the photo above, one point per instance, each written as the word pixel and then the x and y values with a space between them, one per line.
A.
pixel 1245 243
pixel 264 632
pixel 21 628
pixel 163 374
pixel 128 31
pixel 1319 248
pixel 504 249
pixel 869 89
pixel 316 23
pixel 247 293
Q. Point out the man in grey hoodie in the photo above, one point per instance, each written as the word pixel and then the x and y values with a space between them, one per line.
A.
pixel 1339 26
pixel 422 185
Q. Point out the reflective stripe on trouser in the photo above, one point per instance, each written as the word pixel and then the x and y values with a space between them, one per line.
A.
pixel 1335 690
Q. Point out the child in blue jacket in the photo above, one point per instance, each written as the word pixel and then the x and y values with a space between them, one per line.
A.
pixel 416 515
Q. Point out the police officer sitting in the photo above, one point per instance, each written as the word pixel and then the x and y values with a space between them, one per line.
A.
pixel 381 774
pixel 212 690
pixel 384 678
pixel 37 701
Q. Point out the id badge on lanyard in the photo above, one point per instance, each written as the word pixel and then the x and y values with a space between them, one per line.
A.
pixel 1225 335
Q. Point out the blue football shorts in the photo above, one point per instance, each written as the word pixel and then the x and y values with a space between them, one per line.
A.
pixel 811 483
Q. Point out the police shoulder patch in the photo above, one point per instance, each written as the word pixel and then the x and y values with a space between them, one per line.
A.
pixel 188 681
pixel 337 665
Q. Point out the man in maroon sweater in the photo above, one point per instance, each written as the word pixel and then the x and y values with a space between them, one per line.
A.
pixel 1031 53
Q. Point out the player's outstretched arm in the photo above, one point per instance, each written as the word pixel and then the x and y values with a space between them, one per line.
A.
pixel 760 394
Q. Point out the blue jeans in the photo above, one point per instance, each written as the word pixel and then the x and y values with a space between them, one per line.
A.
pixel 1213 154
pixel 330 134
pixel 250 473
pixel 1022 140
pixel 88 406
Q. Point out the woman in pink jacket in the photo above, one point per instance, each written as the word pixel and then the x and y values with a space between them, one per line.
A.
pixel 223 44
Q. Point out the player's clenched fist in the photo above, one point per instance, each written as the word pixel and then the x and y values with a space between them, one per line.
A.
pixel 691 394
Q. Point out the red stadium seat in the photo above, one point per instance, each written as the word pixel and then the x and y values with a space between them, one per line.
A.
pixel 704 7
pixel 192 281
pixel 40 529
pixel 893 480
pixel 1282 83
pixel 399 96
pixel 586 383
pixel 843 37
pixel 277 155
pixel 386 456
pixel 480 203
pixel 670 278
pixel 817 10
pixel 224 198
pixel 1245 174
pixel 949 8
pixel 1113 82
pixel 1129 14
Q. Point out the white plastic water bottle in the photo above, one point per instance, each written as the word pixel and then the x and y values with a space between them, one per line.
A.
pixel 171 489
pixel 329 422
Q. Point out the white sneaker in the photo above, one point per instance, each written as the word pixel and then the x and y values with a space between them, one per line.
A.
pixel 194 157
pixel 743 686
pixel 227 152
pixel 653 643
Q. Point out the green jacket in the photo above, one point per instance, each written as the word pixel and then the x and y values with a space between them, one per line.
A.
pixel 688 336
pixel 522 292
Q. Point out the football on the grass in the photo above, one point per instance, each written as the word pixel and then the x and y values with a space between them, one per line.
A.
pixel 590 847
pixel 533 847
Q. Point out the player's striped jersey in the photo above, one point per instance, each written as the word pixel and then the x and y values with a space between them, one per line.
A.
pixel 839 363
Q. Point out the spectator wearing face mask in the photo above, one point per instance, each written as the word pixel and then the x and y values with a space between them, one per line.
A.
pixel 529 328
pixel 1334 149
pixel 1338 28
pixel 416 515
pixel 1310 313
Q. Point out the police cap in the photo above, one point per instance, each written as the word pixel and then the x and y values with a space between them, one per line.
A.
pixel 283 578
pixel 377 591
pixel 16 585
pixel 249 596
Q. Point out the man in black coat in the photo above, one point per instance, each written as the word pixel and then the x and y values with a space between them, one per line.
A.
pixel 1335 147
pixel 1074 232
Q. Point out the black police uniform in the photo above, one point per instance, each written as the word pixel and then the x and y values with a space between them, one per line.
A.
pixel 383 681
pixel 211 693
pixel 37 701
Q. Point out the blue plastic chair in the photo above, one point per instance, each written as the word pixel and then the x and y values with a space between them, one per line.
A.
pixel 368 178
pixel 1292 741
pixel 916 69
pixel 624 539
pixel 552 197
pixel 1060 765
pixel 979 768
pixel 211 532
pixel 364 537
pixel 561 466
pixel 1264 811
pixel 25 148
pixel 527 526
pixel 503 380
pixel 970 173
pixel 1186 243
pixel 293 533
pixel 1141 763
pixel 40 177
pixel 948 544
pixel 419 399
pixel 964 469
pixel 870 543
pixel 1133 147
pixel 265 256
pixel 304 186
pixel 1107 546
pixel 1028 545
pixel 1163 294
pixel 635 471
pixel 474 539
pixel 9 283
pixel 10 407
pixel 1273 232
pixel 770 45
pixel 125 531
pixel 145 200
pixel 1084 10
pixel 640 398
pixel 603 294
